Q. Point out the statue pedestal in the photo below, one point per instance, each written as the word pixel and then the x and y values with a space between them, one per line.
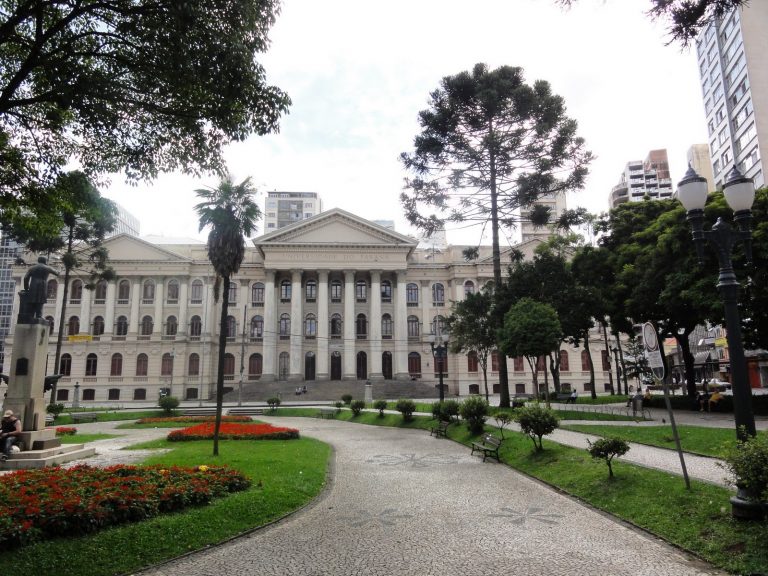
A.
pixel 27 375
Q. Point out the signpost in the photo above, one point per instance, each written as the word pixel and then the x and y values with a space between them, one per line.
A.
pixel 656 363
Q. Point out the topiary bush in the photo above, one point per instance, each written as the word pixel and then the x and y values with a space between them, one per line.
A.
pixel 338 404
pixel 357 406
pixel 747 464
pixel 607 449
pixel 474 410
pixel 273 403
pixel 536 421
pixel 380 405
pixel 347 399
pixel 54 409
pixel 168 404
pixel 406 408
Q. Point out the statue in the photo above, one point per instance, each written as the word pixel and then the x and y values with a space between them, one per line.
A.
pixel 35 293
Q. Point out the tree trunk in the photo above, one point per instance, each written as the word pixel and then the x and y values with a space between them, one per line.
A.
pixel 484 366
pixel 546 384
pixel 608 357
pixel 688 360
pixel 554 368
pixel 591 365
pixel 535 376
pixel 60 336
pixel 623 366
pixel 220 369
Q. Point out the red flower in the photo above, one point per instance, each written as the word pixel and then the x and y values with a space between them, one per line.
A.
pixel 229 431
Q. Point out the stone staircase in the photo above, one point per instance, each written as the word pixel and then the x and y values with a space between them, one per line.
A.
pixel 30 459
pixel 331 390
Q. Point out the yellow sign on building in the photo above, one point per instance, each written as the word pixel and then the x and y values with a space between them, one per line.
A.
pixel 80 338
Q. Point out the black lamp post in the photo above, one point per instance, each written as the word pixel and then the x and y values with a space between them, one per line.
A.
pixel 440 353
pixel 740 194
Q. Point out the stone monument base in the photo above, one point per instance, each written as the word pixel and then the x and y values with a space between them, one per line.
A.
pixel 33 459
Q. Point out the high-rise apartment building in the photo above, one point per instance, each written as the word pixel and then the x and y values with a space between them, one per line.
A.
pixel 641 178
pixel 698 159
pixel 283 208
pixel 734 84
pixel 555 203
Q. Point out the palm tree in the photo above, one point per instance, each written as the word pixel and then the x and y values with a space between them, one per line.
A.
pixel 231 213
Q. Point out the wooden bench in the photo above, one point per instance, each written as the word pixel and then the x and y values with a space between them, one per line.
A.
pixel 441 429
pixel 84 417
pixel 327 413
pixel 563 398
pixel 489 446
pixel 49 420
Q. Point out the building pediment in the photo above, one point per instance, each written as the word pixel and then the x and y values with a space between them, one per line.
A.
pixel 126 247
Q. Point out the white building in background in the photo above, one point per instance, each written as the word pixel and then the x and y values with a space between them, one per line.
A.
pixel 734 83
pixel 126 223
pixel 698 159
pixel 641 178
pixel 284 208
pixel 333 297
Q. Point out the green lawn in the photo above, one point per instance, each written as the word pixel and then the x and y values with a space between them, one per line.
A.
pixel 83 438
pixel 110 416
pixel 696 439
pixel 286 474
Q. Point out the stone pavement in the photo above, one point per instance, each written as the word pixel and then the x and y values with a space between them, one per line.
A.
pixel 402 502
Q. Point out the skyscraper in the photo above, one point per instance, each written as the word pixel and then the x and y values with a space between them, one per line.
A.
pixel 641 178
pixel 283 208
pixel 698 159
pixel 734 83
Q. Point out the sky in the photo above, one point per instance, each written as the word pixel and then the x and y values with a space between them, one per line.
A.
pixel 358 73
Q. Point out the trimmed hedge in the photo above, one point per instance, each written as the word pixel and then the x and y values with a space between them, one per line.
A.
pixel 759 403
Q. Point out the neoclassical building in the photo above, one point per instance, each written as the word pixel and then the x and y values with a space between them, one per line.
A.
pixel 333 297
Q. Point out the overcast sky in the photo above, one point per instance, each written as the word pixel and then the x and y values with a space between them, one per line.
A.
pixel 359 72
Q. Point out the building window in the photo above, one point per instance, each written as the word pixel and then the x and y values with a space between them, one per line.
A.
pixel 166 365
pixel 361 291
pixel 412 294
pixel 140 394
pixel 606 360
pixel 232 292
pixel 438 325
pixel 413 327
pixel 142 364
pixel 257 294
pixel 438 294
pixel 73 326
pixel 336 326
pixel 89 394
pixel 98 326
pixel 171 327
pixel 51 323
pixel 123 292
pixel 564 367
pixel 285 326
pixel 91 364
pixel 76 292
pixel 310 326
pixel 116 365
pixel 310 291
pixel 229 366
pixel 113 394
pixel 100 292
pixel 336 291
pixel 173 292
pixel 472 363
pixel 231 327
pixel 469 287
pixel 121 326
pixel 65 365
pixel 196 292
pixel 414 365
pixel 257 327
pixel 386 327
pixel 195 327
pixel 148 292
pixel 494 361
pixel 255 366
pixel 519 364
pixel 194 365
pixel 361 327
pixel 50 291
pixel 285 291
pixel 386 291
pixel 585 361
pixel 146 327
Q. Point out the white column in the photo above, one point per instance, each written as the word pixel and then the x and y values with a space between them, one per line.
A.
pixel 322 325
pixel 401 329
pixel 133 321
pixel 85 311
pixel 269 369
pixel 183 305
pixel 109 309
pixel 297 327
pixel 375 326
pixel 349 326
pixel 159 320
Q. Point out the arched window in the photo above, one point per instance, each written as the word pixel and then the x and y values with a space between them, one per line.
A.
pixel 414 365
pixel 386 327
pixel 469 287
pixel 123 292
pixel 121 326
pixel 51 289
pixel 285 291
pixel 195 327
pixel 386 291
pixel 171 326
pixel 194 364
pixel 361 290
pixel 173 292
pixel 65 365
pixel 438 294
pixel 585 361
pixel 564 361
pixel 472 362
pixel 232 292
pixel 146 326
pixel 257 294
pixel 257 327
pixel 519 364
pixel 412 294
pixel 148 292
pixel 91 364
pixel 166 365
pixel 229 365
pixel 142 364
pixel 76 292
pixel 336 326
pixel 438 323
pixel 310 291
pixel 196 292
pixel 231 327
pixel 116 365
pixel 98 326
pixel 310 326
pixel 283 366
pixel 361 327
pixel 413 327
pixel 285 326
pixel 140 394
pixel 113 394
pixel 51 323
pixel 73 326
pixel 494 361
pixel 100 292
pixel 336 291
pixel 255 366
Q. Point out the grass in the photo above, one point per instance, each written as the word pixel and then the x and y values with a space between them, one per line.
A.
pixel 695 439
pixel 83 438
pixel 109 416
pixel 291 473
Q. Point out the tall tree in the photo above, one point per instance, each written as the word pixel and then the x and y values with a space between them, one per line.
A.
pixel 231 212
pixel 489 145
pixel 472 330
pixel 120 85
pixel 71 220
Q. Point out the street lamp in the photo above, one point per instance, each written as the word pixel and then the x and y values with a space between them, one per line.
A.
pixel 740 194
pixel 440 353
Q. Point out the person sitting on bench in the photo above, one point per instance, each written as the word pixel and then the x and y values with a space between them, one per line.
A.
pixel 714 400
pixel 11 430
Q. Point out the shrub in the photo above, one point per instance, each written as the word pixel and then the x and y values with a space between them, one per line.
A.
pixel 502 421
pixel 406 408
pixel 380 405
pixel 54 409
pixel 168 404
pixel 347 399
pixel 338 404
pixel 536 421
pixel 747 464
pixel 474 410
pixel 273 403
pixel 607 449
pixel 447 410
pixel 357 407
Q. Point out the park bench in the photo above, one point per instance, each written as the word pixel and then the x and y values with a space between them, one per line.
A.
pixel 49 420
pixel 489 446
pixel 84 417
pixel 327 412
pixel 563 397
pixel 441 429
pixel 519 400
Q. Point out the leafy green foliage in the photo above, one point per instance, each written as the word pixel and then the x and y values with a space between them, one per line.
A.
pixel 446 410
pixel 473 329
pixel 406 408
pixel 503 419
pixel 168 403
pixel 274 402
pixel 474 410
pixel 607 449
pixel 54 409
pixel 346 398
pixel 536 421
pixel 357 406
pixel 747 464
pixel 380 405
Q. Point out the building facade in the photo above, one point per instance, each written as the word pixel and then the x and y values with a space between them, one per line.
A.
pixel 734 85
pixel 698 159
pixel 285 208
pixel 334 297
pixel 641 178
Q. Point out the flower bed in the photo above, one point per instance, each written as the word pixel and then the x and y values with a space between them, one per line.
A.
pixel 185 419
pixel 229 431
pixel 66 431
pixel 51 502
